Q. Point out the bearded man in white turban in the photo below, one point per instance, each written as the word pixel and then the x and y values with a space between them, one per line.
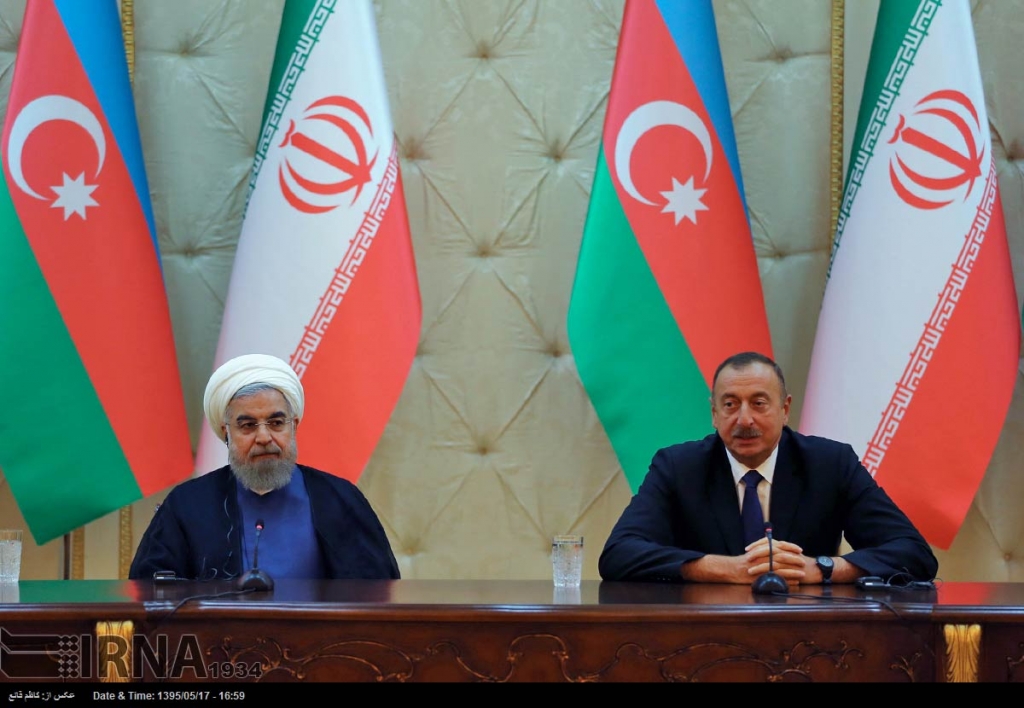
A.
pixel 309 523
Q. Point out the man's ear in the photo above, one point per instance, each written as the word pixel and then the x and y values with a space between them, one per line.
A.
pixel 296 423
pixel 224 431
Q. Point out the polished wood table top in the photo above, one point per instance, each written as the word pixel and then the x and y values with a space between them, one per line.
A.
pixel 956 601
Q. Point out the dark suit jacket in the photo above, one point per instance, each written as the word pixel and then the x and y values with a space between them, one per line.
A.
pixel 687 507
pixel 195 532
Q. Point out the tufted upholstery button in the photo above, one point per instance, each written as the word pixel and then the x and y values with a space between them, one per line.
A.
pixel 413 149
pixel 187 47
pixel 483 50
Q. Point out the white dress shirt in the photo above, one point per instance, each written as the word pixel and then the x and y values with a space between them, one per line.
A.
pixel 764 487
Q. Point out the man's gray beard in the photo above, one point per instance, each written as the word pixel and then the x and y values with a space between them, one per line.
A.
pixel 264 475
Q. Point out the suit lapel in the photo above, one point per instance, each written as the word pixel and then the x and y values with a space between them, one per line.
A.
pixel 787 488
pixel 723 501
pixel 229 518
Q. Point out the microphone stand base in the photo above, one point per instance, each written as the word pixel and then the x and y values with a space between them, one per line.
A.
pixel 770 584
pixel 256 579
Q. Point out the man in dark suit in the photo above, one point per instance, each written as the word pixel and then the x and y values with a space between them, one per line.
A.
pixel 687 520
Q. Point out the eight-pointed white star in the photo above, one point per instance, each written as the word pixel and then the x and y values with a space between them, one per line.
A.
pixel 683 201
pixel 74 196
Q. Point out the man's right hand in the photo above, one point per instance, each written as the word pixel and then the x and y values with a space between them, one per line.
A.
pixel 787 558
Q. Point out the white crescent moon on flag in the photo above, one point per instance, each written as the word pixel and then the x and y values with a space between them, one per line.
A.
pixel 644 118
pixel 43 110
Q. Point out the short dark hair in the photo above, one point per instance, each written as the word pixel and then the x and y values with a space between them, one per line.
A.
pixel 745 359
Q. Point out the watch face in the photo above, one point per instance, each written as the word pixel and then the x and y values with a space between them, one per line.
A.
pixel 825 563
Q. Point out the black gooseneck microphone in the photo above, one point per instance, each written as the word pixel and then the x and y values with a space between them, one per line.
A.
pixel 771 583
pixel 256 579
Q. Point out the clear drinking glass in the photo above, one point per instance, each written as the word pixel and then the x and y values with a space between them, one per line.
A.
pixel 567 560
pixel 10 555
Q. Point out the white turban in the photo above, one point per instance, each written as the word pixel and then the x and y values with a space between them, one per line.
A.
pixel 242 371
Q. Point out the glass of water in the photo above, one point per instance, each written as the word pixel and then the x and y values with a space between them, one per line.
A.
pixel 567 560
pixel 10 555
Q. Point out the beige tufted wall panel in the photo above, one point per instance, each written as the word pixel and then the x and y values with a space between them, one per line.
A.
pixel 498 106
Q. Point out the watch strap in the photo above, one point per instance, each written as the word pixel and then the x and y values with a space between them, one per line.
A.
pixel 825 565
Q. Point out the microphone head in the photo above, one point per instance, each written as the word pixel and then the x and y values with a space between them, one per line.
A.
pixel 259 524
pixel 768 529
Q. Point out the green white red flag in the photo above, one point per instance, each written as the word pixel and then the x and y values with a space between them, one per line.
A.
pixel 324 275
pixel 667 284
pixel 917 346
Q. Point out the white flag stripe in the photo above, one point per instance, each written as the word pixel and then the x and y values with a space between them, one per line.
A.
pixel 884 282
pixel 919 307
pixel 313 251
pixel 325 167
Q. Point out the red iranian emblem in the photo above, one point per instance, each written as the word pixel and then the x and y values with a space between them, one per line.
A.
pixel 937 151
pixel 325 155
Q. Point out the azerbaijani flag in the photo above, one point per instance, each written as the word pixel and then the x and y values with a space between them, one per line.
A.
pixel 324 275
pixel 667 284
pixel 918 339
pixel 96 417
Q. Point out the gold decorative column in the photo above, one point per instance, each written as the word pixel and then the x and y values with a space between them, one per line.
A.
pixel 963 647
pixel 114 651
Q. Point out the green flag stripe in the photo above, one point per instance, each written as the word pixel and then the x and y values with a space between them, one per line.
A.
pixel 890 34
pixel 634 362
pixel 59 453
pixel 295 42
pixel 890 62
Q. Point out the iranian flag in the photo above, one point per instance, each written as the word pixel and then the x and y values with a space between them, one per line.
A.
pixel 918 338
pixel 324 275
pixel 96 418
pixel 667 284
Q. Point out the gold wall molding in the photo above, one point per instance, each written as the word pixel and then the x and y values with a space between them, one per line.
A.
pixel 128 33
pixel 76 551
pixel 124 542
pixel 124 517
pixel 838 85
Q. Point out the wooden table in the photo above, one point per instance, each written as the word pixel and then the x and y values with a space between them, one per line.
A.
pixel 498 631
